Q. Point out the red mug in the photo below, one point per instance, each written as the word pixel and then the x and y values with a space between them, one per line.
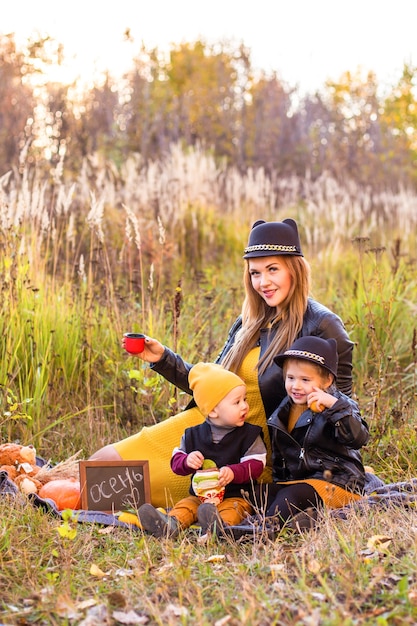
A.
pixel 134 343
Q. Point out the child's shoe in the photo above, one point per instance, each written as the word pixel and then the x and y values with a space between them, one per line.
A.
pixel 209 519
pixel 157 523
pixel 304 520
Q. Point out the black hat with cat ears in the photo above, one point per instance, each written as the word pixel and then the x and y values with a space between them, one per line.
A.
pixel 273 239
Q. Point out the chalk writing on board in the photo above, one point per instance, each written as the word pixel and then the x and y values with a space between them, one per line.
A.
pixel 114 485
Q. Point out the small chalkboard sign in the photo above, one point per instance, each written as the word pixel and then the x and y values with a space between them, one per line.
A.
pixel 111 486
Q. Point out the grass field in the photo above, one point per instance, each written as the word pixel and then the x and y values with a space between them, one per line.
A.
pixel 159 251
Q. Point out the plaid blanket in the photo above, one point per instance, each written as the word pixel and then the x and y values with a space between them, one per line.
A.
pixel 382 494
pixel 377 493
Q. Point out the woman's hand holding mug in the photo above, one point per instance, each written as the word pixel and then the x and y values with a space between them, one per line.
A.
pixel 146 348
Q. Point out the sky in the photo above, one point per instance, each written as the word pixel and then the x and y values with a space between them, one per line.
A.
pixel 305 41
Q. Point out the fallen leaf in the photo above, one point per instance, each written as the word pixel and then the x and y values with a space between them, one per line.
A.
pixel 216 558
pixel 379 542
pixel 122 572
pixel 129 618
pixel 173 610
pixel 96 571
pixel 96 616
pixel 66 531
pixel 85 604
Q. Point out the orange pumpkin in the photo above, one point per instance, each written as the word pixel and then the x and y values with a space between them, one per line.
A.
pixel 316 407
pixel 65 492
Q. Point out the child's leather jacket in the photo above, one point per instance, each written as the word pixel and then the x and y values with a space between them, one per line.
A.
pixel 321 445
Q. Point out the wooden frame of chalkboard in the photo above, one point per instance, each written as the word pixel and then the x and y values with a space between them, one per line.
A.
pixel 112 486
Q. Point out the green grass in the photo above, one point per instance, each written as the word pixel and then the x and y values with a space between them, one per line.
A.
pixel 72 285
pixel 335 574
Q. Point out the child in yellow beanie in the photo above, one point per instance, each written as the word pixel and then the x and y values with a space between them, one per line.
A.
pixel 223 440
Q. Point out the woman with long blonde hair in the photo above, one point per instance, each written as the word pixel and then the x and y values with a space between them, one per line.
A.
pixel 276 310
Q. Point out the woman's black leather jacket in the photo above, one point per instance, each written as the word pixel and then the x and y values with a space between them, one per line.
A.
pixel 319 321
pixel 321 445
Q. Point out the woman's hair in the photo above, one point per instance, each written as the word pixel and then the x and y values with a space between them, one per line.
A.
pixel 256 314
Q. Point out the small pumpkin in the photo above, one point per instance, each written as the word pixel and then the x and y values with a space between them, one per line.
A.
pixel 65 492
pixel 316 407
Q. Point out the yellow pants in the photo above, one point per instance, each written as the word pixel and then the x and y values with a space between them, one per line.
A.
pixel 231 510
pixel 155 444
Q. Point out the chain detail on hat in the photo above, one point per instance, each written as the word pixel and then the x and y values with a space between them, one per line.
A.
pixel 271 247
pixel 304 353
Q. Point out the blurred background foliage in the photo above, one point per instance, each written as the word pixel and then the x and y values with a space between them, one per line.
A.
pixel 208 96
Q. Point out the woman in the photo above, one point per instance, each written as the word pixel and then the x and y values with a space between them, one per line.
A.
pixel 277 309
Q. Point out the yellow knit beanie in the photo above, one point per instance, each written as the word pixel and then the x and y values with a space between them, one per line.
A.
pixel 210 383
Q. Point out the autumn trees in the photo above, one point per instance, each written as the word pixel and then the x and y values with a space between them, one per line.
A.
pixel 211 96
pixel 16 104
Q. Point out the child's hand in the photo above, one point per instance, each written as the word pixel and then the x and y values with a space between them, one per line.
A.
pixel 195 460
pixel 319 400
pixel 226 476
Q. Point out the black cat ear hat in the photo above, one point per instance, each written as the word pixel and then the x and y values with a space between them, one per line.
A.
pixel 273 239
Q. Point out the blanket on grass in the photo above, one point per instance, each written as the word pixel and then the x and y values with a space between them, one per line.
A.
pixel 377 493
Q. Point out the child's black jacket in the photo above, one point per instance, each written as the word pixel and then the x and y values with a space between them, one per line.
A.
pixel 321 445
